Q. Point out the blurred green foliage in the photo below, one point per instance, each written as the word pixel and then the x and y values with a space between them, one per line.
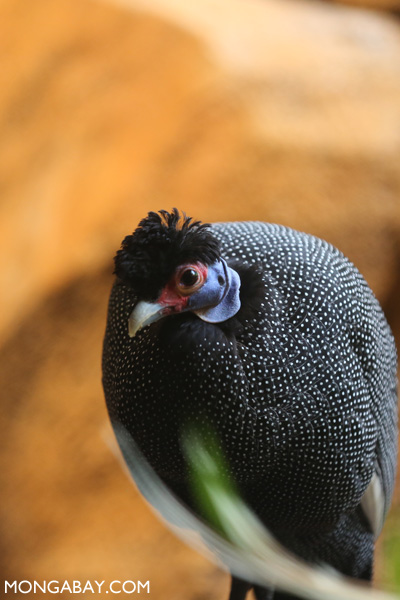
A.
pixel 391 552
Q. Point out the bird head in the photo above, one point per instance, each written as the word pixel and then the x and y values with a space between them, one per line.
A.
pixel 174 265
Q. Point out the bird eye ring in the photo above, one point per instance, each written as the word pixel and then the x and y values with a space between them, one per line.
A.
pixel 189 279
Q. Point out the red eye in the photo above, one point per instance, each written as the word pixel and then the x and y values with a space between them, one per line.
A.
pixel 189 279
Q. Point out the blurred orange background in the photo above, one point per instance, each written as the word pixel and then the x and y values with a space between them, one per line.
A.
pixel 287 112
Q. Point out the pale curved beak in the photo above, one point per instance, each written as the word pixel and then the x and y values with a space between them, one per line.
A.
pixel 144 314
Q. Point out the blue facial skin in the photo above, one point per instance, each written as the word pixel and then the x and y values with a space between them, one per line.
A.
pixel 218 299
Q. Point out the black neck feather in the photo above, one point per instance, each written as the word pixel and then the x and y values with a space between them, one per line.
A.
pixel 185 331
pixel 252 294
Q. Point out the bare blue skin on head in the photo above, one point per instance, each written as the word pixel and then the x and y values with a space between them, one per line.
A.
pixel 216 301
pixel 219 295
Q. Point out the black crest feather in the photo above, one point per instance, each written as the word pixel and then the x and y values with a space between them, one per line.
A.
pixel 163 241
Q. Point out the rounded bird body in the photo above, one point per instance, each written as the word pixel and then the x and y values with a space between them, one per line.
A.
pixel 296 375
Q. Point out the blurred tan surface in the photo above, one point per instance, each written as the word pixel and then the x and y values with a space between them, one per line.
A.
pixel 68 510
pixel 284 112
pixel 389 5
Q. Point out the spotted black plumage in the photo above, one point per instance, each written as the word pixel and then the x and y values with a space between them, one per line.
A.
pixel 299 384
